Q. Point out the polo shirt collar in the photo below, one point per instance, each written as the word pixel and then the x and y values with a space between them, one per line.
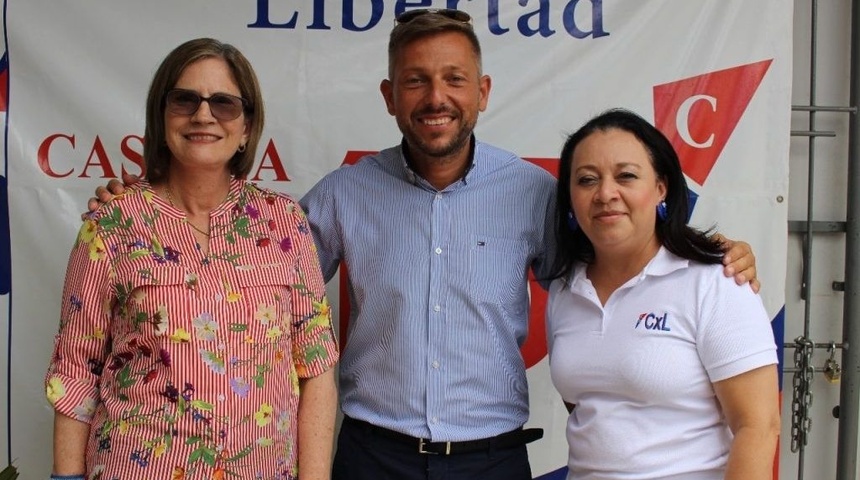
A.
pixel 663 263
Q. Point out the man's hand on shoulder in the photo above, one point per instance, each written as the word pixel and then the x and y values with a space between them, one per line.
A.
pixel 105 193
pixel 739 262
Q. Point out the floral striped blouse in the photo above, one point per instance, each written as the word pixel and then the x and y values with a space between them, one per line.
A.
pixel 186 365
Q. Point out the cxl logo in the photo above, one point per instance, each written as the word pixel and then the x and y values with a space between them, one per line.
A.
pixel 653 322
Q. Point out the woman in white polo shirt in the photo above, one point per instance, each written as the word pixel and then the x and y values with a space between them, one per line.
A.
pixel 668 367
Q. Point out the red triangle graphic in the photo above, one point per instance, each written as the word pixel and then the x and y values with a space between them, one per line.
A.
pixel 699 114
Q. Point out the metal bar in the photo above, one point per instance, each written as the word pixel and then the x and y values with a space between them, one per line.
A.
pixel 810 133
pixel 793 369
pixel 820 108
pixel 800 226
pixel 810 181
pixel 805 287
pixel 849 395
pixel 816 345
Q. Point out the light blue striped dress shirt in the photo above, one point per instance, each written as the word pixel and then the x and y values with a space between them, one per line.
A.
pixel 438 289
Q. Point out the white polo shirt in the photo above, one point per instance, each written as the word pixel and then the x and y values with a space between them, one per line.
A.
pixel 640 368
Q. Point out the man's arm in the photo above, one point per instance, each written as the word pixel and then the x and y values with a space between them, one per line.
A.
pixel 739 259
pixel 320 208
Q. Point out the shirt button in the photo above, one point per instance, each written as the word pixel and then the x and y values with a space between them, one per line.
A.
pixel 438 250
pixel 435 364
pixel 437 308
pixel 438 196
pixel 435 420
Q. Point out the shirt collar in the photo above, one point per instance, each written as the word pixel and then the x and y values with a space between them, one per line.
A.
pixel 414 178
pixel 663 263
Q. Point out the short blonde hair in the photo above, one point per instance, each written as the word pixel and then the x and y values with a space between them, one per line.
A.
pixel 426 25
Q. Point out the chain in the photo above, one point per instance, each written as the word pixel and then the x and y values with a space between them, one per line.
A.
pixel 801 400
pixel 195 227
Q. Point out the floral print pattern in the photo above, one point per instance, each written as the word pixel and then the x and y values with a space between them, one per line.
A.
pixel 187 365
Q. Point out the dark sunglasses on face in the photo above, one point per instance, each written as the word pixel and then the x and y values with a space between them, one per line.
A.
pixel 222 106
pixel 451 13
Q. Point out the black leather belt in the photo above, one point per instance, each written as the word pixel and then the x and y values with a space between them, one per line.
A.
pixel 511 439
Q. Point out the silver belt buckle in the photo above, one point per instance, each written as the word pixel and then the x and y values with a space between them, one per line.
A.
pixel 421 450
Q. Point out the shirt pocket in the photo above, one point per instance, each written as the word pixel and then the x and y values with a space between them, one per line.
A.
pixel 266 294
pixel 145 294
pixel 497 269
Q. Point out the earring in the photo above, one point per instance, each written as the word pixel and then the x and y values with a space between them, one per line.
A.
pixel 572 224
pixel 241 148
pixel 662 211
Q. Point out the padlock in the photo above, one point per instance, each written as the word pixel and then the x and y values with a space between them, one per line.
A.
pixel 832 369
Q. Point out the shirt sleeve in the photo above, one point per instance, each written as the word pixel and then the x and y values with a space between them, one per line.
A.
pixel 550 315
pixel 735 335
pixel 320 207
pixel 544 264
pixel 81 344
pixel 314 347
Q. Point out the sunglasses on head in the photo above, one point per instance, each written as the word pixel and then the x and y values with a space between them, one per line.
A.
pixel 451 13
pixel 222 106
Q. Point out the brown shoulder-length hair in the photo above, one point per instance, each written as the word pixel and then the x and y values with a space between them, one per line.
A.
pixel 156 155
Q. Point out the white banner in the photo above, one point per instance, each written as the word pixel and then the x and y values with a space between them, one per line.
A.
pixel 713 74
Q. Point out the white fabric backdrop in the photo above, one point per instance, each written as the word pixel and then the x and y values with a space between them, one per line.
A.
pixel 79 70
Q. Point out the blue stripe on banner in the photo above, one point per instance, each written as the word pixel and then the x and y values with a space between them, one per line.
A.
pixel 692 197
pixel 559 474
pixel 5 239
pixel 778 326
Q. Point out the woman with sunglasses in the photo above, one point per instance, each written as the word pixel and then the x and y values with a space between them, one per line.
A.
pixel 194 310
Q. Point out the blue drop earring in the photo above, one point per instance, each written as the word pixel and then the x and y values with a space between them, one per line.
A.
pixel 662 211
pixel 572 224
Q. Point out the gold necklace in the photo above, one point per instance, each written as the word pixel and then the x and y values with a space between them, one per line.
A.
pixel 195 227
